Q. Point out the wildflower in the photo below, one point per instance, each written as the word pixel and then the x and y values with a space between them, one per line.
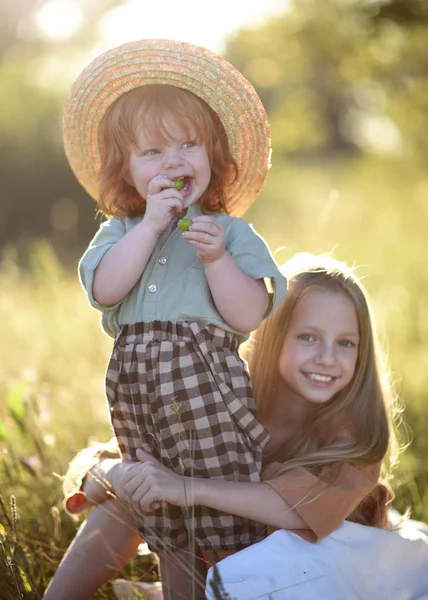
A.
pixel 49 439
pixel 33 462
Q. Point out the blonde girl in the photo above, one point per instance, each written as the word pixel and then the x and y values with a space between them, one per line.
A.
pixel 323 393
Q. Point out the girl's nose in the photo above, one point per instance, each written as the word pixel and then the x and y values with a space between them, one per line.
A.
pixel 326 354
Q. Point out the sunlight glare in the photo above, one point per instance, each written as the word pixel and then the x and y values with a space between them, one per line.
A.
pixel 187 20
pixel 58 19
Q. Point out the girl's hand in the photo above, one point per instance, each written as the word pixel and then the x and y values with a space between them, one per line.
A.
pixel 118 473
pixel 149 485
pixel 162 202
pixel 206 233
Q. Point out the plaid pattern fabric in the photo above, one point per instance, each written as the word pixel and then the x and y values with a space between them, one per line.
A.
pixel 181 392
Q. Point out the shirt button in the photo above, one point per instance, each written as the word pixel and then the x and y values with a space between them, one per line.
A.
pixel 162 260
pixel 152 288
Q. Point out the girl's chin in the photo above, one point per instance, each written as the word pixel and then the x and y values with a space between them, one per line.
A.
pixel 313 400
pixel 318 395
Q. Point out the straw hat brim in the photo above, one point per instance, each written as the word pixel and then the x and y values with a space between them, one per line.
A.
pixel 190 67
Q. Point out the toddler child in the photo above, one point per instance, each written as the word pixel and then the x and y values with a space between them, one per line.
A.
pixel 157 131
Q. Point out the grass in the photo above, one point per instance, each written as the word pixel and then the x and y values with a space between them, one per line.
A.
pixel 35 531
pixel 51 406
pixel 54 354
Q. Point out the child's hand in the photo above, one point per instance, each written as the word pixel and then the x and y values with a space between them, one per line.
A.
pixel 206 233
pixel 149 485
pixel 162 202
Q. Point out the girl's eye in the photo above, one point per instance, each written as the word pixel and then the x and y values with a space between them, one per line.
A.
pixel 347 344
pixel 307 337
pixel 189 144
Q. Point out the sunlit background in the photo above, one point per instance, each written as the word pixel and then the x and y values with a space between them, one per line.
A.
pixel 345 85
pixel 188 20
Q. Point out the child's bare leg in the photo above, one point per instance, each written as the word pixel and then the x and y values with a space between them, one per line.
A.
pixel 183 575
pixel 101 548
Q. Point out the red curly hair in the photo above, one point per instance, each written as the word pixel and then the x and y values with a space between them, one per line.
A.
pixel 145 107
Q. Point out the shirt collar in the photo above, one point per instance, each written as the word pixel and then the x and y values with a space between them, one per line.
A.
pixel 193 210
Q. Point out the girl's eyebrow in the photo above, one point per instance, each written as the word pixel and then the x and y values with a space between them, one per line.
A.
pixel 305 326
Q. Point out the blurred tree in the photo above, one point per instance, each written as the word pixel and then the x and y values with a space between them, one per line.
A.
pixel 339 78
pixel 401 67
pixel 402 12
pixel 39 195
pixel 336 76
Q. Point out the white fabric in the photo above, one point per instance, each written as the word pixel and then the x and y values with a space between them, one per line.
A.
pixel 353 563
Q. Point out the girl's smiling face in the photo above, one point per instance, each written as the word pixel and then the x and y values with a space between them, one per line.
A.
pixel 320 350
pixel 178 153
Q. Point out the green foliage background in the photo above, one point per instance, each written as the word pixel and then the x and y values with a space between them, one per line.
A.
pixel 345 84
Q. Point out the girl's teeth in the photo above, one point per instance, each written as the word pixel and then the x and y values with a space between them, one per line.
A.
pixel 323 378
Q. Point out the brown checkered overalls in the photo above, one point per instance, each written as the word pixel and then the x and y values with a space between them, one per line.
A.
pixel 181 392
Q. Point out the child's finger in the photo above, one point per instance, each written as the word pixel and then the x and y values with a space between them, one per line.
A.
pixel 159 183
pixel 206 219
pixel 198 236
pixel 166 196
pixel 211 227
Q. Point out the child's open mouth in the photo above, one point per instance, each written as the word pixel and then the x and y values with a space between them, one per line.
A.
pixel 182 184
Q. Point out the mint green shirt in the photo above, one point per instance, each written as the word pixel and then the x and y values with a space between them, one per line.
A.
pixel 173 286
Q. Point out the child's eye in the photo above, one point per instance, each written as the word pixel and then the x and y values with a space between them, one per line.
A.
pixel 306 337
pixel 347 344
pixel 150 152
pixel 189 144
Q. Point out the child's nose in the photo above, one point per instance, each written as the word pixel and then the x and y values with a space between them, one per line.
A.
pixel 326 354
pixel 172 158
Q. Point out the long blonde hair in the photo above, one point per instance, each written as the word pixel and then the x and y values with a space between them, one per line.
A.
pixel 368 401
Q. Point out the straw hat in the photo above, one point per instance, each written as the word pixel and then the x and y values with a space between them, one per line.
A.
pixel 190 67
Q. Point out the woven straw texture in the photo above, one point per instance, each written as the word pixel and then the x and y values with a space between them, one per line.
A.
pixel 190 67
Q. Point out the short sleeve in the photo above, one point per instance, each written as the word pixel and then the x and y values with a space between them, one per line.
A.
pixel 108 234
pixel 323 501
pixel 253 256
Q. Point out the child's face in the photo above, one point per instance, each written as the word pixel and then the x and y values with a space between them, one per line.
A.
pixel 179 155
pixel 320 349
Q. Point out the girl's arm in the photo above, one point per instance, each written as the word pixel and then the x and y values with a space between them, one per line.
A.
pixel 294 499
pixel 149 481
pixel 328 498
pixel 147 486
pixel 255 501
